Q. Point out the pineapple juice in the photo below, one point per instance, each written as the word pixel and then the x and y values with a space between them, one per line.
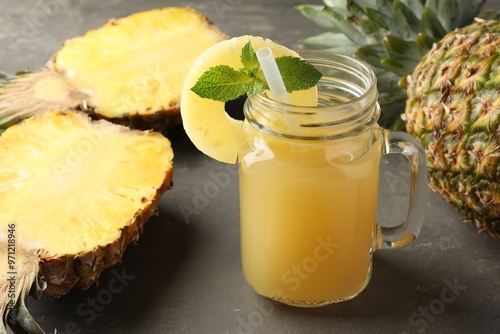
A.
pixel 308 187
pixel 308 215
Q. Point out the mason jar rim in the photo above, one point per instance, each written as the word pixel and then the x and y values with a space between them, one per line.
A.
pixel 348 92
pixel 325 57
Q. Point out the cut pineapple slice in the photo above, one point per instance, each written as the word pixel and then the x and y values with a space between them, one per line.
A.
pixel 130 70
pixel 74 193
pixel 206 122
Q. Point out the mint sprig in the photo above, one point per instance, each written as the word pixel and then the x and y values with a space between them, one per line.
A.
pixel 223 83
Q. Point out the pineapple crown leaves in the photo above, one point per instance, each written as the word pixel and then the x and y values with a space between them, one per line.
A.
pixel 390 35
pixel 406 28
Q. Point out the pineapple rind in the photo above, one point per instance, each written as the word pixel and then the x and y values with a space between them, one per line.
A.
pixel 454 110
pixel 62 273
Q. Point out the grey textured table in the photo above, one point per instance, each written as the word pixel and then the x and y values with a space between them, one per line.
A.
pixel 185 274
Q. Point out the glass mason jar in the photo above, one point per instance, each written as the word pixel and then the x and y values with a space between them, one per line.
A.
pixel 309 184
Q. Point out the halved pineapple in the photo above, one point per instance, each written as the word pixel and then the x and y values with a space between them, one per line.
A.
pixel 206 122
pixel 130 70
pixel 73 194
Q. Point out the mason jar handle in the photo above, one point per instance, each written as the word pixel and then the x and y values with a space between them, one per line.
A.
pixel 397 142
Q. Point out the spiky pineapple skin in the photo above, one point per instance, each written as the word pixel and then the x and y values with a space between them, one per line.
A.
pixel 453 108
pixel 63 273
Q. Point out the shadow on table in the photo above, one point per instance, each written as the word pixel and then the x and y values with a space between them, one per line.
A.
pixel 128 290
pixel 399 296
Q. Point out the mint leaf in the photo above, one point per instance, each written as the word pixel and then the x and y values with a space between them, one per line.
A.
pixel 297 73
pixel 221 83
pixel 249 58
pixel 253 86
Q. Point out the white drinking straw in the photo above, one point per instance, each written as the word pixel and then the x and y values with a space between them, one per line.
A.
pixel 272 74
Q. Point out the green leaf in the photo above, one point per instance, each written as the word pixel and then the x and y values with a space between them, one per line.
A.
pixel 327 39
pixel 383 19
pixel 378 18
pixel 249 57
pixel 372 54
pixel 354 9
pixel 432 4
pixel 490 15
pixel 367 3
pixel 385 7
pixel 387 83
pixel 348 50
pixel 430 25
pixel 450 14
pixel 221 83
pixel 399 66
pixel 358 18
pixel 318 15
pixel 369 27
pixel 447 11
pixel 406 23
pixel 297 73
pixel 415 6
pixel 346 26
pixel 336 3
pixel 399 48
pixel 469 10
pixel 254 86
pixel 424 43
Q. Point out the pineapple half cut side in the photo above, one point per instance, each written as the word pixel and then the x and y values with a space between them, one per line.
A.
pixel 129 71
pixel 73 194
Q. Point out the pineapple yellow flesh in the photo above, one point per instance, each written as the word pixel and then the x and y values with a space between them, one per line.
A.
pixel 73 194
pixel 74 185
pixel 206 122
pixel 137 64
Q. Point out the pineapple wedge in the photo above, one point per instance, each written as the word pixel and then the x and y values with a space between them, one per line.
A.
pixel 73 194
pixel 206 122
pixel 129 71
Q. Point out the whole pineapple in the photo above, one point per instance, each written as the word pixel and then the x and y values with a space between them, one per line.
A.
pixel 453 108
pixel 390 35
pixel 452 98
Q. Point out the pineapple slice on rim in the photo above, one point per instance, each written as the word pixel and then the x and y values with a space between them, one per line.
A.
pixel 129 71
pixel 73 194
pixel 206 122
